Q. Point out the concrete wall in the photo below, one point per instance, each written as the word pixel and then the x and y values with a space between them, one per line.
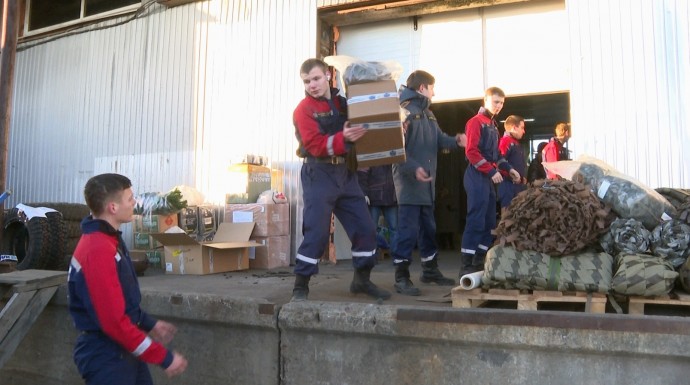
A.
pixel 237 341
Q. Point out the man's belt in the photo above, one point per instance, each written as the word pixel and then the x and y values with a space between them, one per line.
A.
pixel 329 159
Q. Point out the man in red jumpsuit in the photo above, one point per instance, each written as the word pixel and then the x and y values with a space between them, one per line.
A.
pixel 328 185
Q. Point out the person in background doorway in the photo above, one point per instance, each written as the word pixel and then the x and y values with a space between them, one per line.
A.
pixel 555 150
pixel 485 160
pixel 536 169
pixel 328 185
pixel 415 185
pixel 116 337
pixel 511 150
pixel 378 188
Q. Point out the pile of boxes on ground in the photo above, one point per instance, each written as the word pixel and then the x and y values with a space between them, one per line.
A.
pixel 250 235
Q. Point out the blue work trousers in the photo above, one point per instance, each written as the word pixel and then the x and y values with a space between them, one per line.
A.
pixel 101 361
pixel 333 189
pixel 416 226
pixel 390 215
pixel 481 212
pixel 507 190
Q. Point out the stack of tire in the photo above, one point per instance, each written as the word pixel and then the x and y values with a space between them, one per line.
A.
pixel 44 243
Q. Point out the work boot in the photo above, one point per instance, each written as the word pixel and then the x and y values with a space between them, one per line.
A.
pixel 301 289
pixel 362 284
pixel 431 273
pixel 478 262
pixel 466 265
pixel 403 284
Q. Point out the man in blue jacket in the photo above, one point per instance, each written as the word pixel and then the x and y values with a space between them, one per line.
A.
pixel 415 187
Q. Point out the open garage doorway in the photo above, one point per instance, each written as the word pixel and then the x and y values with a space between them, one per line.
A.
pixel 541 111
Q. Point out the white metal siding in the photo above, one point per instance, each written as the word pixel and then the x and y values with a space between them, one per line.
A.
pixel 168 99
pixel 522 48
pixel 629 96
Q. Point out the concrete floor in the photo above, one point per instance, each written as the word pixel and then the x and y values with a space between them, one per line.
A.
pixel 331 284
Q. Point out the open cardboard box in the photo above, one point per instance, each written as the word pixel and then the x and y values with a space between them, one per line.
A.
pixel 228 251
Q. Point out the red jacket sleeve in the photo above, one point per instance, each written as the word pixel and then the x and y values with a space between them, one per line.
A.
pixel 105 291
pixel 316 143
pixel 550 154
pixel 477 160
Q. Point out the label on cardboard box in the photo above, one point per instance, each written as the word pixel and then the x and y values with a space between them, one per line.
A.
pixel 380 155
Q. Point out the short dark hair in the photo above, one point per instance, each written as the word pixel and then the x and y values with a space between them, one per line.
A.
pixel 513 120
pixel 102 188
pixel 309 64
pixel 491 91
pixel 419 78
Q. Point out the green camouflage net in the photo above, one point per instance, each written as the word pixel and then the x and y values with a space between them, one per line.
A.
pixel 671 240
pixel 626 235
pixel 643 275
pixel 508 268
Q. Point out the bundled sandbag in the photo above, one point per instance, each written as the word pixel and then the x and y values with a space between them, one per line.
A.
pixel 643 275
pixel 627 197
pixel 553 217
pixel 508 268
pixel 671 240
pixel 628 236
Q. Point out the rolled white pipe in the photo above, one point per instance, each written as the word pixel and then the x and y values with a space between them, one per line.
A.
pixel 471 281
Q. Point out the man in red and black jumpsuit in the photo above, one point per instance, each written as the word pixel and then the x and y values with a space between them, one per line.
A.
pixel 116 337
pixel 555 150
pixel 328 186
pixel 485 159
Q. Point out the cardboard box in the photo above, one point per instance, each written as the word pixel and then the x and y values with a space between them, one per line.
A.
pixel 155 257
pixel 273 252
pixel 188 220
pixel 376 107
pixel 144 241
pixel 271 219
pixel 154 223
pixel 228 251
pixel 246 182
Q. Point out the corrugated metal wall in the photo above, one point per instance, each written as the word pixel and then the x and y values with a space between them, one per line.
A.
pixel 167 99
pixel 630 92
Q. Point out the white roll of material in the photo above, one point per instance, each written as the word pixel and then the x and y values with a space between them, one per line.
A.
pixel 471 281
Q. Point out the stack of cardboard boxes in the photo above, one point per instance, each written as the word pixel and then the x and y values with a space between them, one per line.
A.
pixel 272 231
pixel 376 107
pixel 144 245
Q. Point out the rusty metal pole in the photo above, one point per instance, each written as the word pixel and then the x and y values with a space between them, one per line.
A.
pixel 8 52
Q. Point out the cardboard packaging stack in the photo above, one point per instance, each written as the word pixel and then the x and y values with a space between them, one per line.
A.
pixel 272 231
pixel 228 250
pixel 144 246
pixel 376 106
pixel 246 182
pixel 197 221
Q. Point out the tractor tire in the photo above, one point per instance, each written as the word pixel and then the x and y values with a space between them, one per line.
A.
pixel 38 243
pixel 71 212
pixel 73 229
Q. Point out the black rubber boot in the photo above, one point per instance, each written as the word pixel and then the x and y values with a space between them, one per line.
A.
pixel 301 290
pixel 478 262
pixel 431 273
pixel 466 266
pixel 361 283
pixel 403 284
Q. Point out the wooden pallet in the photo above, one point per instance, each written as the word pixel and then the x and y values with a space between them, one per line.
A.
pixel 594 302
pixel 636 305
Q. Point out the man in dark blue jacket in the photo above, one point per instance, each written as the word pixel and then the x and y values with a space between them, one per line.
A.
pixel 378 188
pixel 415 186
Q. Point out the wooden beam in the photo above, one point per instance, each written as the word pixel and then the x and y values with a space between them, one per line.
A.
pixel 8 52
pixel 367 12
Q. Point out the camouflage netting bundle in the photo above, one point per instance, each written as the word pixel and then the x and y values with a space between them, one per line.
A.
pixel 684 213
pixel 153 203
pixel 508 268
pixel 553 217
pixel 684 275
pixel 642 274
pixel 671 240
pixel 627 197
pixel 628 236
pixel 675 196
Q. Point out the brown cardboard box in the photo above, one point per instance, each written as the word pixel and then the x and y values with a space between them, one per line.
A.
pixel 376 107
pixel 154 223
pixel 273 252
pixel 246 182
pixel 271 219
pixel 144 241
pixel 228 251
pixel 155 257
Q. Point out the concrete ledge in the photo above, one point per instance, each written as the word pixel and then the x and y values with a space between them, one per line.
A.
pixel 251 341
